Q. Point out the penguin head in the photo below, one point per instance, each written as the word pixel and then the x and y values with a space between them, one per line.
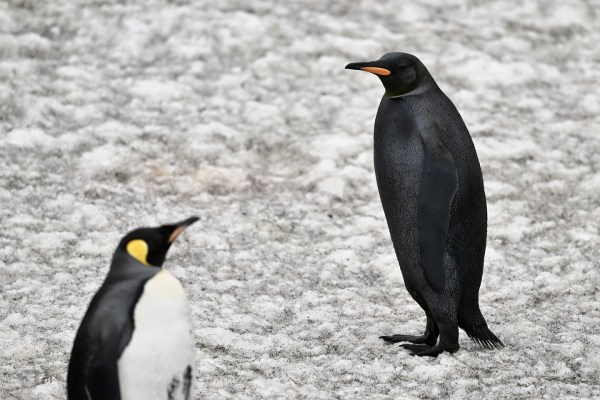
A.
pixel 149 246
pixel 400 73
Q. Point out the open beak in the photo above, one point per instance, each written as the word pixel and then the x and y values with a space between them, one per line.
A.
pixel 369 67
pixel 180 227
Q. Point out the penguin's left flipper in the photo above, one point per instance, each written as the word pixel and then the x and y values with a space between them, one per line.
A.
pixel 438 186
pixel 103 377
pixel 97 349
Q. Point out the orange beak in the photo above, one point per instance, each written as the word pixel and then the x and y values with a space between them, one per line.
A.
pixel 369 67
pixel 180 227
pixel 377 70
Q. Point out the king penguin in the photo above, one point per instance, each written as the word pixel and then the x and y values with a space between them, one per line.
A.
pixel 431 188
pixel 135 341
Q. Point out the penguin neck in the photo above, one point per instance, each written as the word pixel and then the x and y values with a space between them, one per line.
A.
pixel 124 266
pixel 421 87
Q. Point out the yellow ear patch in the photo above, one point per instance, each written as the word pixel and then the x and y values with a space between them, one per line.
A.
pixel 138 249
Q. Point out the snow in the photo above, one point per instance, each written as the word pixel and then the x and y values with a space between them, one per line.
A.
pixel 115 115
pixel 29 138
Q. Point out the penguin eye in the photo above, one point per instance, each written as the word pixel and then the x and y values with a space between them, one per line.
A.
pixel 138 249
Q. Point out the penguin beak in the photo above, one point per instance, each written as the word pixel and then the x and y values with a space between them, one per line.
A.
pixel 369 67
pixel 180 227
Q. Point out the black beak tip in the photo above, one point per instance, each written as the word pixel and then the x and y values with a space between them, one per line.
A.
pixel 189 221
pixel 360 65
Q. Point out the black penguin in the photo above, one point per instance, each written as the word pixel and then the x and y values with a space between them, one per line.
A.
pixel 135 340
pixel 431 189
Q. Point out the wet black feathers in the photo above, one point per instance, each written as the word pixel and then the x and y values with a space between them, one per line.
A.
pixel 438 185
pixel 431 189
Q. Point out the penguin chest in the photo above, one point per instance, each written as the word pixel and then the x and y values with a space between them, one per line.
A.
pixel 398 163
pixel 157 362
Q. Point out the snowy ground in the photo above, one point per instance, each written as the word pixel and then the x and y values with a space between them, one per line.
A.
pixel 116 114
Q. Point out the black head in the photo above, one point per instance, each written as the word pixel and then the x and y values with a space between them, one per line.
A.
pixel 149 246
pixel 400 73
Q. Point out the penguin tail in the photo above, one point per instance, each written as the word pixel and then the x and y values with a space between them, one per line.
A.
pixel 478 331
pixel 484 337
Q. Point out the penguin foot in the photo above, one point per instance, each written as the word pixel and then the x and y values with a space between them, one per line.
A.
pixel 416 348
pixel 425 350
pixel 423 339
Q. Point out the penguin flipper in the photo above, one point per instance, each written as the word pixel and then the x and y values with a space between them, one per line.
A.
pixel 101 341
pixel 93 373
pixel 438 186
pixel 103 377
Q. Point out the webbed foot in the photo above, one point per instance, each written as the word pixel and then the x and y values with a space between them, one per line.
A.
pixel 423 339
pixel 431 351
pixel 448 342
pixel 416 348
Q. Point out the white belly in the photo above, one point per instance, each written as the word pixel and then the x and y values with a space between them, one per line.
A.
pixel 158 361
